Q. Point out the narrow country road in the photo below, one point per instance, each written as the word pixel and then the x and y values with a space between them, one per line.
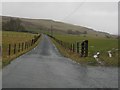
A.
pixel 44 67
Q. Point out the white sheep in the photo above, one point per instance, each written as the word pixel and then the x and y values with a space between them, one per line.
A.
pixel 109 53
pixel 96 56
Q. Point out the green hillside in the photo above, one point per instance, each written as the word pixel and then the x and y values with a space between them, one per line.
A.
pixel 44 25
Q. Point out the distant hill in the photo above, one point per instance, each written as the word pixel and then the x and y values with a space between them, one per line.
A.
pixel 44 25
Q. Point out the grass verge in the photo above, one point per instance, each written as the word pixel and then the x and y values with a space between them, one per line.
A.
pixel 18 38
pixel 74 56
pixel 113 61
pixel 7 60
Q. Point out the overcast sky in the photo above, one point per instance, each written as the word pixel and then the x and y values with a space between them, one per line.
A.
pixel 101 16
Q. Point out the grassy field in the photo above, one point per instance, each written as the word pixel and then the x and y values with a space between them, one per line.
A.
pixel 12 38
pixel 100 44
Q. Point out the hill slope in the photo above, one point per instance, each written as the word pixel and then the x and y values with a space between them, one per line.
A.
pixel 44 25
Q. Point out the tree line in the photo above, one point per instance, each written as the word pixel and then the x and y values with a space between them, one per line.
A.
pixel 13 24
pixel 76 32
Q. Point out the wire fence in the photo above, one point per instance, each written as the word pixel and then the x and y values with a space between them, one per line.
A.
pixel 80 48
pixel 15 48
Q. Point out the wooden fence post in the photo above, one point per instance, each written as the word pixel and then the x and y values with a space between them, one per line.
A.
pixel 77 47
pixel 14 48
pixel 31 42
pixel 22 45
pixel 82 49
pixel 9 49
pixel 86 48
pixel 19 48
pixel 25 45
pixel 73 47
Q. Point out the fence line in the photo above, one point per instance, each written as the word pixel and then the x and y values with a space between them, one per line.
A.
pixel 22 46
pixel 78 47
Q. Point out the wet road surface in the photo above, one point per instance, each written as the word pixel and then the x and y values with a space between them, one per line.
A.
pixel 44 67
